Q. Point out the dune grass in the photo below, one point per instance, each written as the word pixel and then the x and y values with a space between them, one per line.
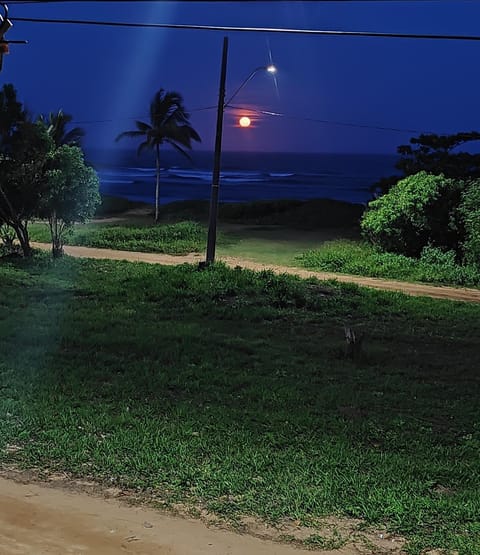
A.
pixel 229 390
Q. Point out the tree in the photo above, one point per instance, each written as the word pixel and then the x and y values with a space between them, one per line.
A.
pixel 42 174
pixel 56 124
pixel 22 179
pixel 12 114
pixel 437 155
pixel 71 193
pixel 426 210
pixel 169 123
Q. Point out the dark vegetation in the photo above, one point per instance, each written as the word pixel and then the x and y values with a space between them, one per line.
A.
pixel 436 155
pixel 296 214
pixel 133 375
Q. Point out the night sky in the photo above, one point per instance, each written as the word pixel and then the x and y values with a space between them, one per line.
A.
pixel 102 74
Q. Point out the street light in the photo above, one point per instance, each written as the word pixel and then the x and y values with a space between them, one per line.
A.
pixel 213 217
pixel 270 69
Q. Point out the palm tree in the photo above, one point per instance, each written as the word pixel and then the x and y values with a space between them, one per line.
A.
pixel 56 124
pixel 169 123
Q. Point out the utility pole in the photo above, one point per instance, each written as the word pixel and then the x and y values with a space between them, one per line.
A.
pixel 212 224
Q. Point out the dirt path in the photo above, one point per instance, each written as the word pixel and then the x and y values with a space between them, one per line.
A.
pixel 40 520
pixel 438 292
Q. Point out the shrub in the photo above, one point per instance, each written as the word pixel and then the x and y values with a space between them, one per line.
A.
pixel 469 211
pixel 419 210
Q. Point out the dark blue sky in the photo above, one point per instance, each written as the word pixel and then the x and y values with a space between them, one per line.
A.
pixel 111 74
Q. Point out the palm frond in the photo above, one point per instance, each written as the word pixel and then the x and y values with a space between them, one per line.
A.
pixel 178 148
pixel 130 134
pixel 142 126
pixel 143 146
pixel 73 137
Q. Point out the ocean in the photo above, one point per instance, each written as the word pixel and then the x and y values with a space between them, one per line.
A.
pixel 245 177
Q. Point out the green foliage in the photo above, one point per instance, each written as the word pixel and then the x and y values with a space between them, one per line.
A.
pixel 469 211
pixel 22 178
pixel 72 193
pixel 38 176
pixel 227 390
pixel 352 257
pixel 73 187
pixel 419 210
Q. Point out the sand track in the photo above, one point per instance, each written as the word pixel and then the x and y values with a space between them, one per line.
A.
pixel 40 520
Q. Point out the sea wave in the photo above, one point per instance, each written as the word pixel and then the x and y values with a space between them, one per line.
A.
pixel 226 176
pixel 119 181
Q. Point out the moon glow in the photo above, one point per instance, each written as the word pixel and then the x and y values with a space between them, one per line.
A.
pixel 245 121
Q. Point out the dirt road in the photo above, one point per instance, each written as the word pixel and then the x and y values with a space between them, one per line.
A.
pixel 40 520
pixel 416 289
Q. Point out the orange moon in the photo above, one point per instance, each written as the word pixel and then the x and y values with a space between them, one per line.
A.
pixel 244 122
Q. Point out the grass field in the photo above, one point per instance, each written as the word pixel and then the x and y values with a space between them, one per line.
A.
pixel 230 390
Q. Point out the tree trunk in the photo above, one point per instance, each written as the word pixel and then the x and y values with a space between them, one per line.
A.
pixel 157 185
pixel 23 238
pixel 57 243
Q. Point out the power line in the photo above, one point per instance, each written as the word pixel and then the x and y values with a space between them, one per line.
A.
pixel 272 114
pixel 327 122
pixel 224 28
pixel 227 1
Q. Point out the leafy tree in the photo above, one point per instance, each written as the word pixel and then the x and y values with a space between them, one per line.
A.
pixel 22 179
pixel 71 195
pixel 437 155
pixel 57 123
pixel 419 210
pixel 12 114
pixel 470 213
pixel 169 124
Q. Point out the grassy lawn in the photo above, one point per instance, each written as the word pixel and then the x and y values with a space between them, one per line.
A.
pixel 229 390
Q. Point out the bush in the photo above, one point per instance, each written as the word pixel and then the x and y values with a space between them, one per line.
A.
pixel 470 213
pixel 419 210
